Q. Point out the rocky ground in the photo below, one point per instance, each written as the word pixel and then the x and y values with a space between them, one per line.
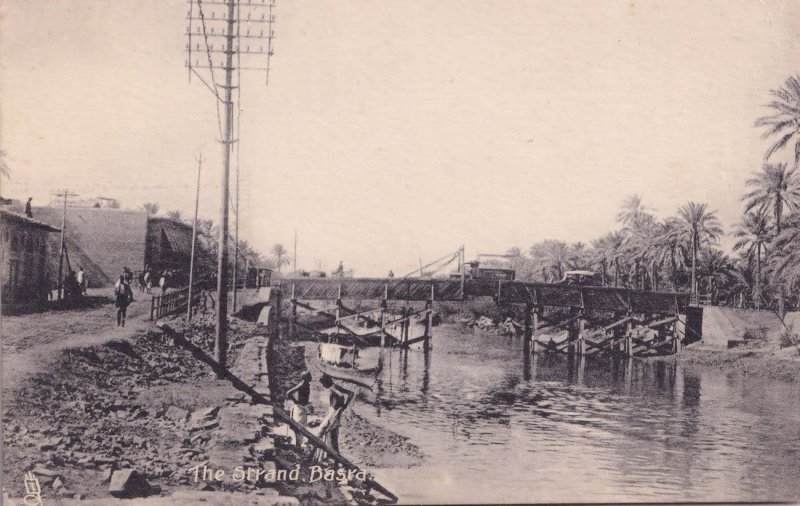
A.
pixel 134 403
pixel 84 399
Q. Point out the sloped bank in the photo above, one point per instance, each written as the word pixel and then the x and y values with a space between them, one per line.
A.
pixel 748 342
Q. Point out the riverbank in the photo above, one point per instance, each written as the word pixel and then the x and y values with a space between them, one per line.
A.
pixel 781 364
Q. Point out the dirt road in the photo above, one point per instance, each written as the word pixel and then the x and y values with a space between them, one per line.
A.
pixel 30 341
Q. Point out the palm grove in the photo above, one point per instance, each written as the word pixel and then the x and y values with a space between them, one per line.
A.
pixel 681 252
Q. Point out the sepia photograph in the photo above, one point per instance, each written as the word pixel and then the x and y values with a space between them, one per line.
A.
pixel 295 252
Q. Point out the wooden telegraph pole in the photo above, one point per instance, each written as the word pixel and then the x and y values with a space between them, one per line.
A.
pixel 221 335
pixel 229 24
pixel 61 248
pixel 194 239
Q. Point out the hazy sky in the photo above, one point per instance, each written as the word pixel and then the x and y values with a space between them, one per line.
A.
pixel 393 130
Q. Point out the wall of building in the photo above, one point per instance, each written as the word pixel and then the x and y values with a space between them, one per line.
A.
pixel 24 276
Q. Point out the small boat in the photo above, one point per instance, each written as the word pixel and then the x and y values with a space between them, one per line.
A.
pixel 336 354
pixel 342 362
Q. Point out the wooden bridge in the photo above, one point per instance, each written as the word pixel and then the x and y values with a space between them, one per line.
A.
pixel 596 319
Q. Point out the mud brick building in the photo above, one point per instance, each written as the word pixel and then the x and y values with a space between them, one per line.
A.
pixel 25 275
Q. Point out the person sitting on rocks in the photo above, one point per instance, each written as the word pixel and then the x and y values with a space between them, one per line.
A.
pixel 300 406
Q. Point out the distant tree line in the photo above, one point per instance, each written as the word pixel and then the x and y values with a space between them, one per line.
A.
pixel 681 252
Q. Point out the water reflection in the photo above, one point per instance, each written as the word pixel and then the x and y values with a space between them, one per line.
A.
pixel 631 430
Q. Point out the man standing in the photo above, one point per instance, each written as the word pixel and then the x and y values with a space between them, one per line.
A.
pixel 28 210
pixel 81 281
pixel 123 296
pixel 339 399
pixel 299 411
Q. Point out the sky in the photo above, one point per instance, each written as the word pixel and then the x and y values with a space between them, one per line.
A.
pixel 393 131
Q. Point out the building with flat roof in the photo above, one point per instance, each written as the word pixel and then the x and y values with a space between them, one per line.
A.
pixel 25 275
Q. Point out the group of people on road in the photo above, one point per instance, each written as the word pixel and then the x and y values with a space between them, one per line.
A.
pixel 338 399
pixel 75 284
pixel 148 278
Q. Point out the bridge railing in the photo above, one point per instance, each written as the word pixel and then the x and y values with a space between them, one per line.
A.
pixel 542 294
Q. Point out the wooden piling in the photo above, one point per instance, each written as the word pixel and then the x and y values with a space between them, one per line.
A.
pixel 581 342
pixel 429 320
pixel 572 339
pixel 293 318
pixel 338 312
pixel 528 328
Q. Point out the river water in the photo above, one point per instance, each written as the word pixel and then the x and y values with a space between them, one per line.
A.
pixel 497 429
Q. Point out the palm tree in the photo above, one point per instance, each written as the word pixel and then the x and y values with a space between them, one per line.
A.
pixel 785 259
pixel 715 271
pixel 280 256
pixel 785 120
pixel 151 208
pixel 668 248
pixel 775 187
pixel 608 251
pixel 753 234
pixel 633 212
pixel 699 227
pixel 638 224
pixel 579 257
pixel 555 255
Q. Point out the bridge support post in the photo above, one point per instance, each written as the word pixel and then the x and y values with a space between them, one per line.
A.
pixel 426 345
pixel 676 339
pixel 581 343
pixel 572 339
pixel 625 344
pixel 528 329
pixel 293 313
pixel 338 312
pixel 383 324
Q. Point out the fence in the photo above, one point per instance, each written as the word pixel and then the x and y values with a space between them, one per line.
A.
pixel 172 302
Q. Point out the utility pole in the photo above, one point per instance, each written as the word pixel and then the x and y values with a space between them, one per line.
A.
pixel 294 256
pixel 63 237
pixel 61 248
pixel 221 335
pixel 236 243
pixel 239 20
pixel 194 238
